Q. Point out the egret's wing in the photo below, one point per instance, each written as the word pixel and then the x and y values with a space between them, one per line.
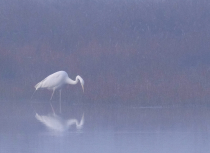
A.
pixel 44 119
pixel 50 122
pixel 39 85
pixel 51 81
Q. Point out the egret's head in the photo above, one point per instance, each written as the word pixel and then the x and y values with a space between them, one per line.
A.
pixel 81 81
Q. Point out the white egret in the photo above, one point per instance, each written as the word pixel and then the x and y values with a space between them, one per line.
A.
pixel 57 124
pixel 56 81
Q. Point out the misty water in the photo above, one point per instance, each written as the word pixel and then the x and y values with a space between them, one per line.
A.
pixel 107 129
pixel 146 67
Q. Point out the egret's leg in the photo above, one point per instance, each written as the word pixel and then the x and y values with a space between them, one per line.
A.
pixel 31 101
pixel 51 103
pixel 52 95
pixel 33 94
pixel 60 100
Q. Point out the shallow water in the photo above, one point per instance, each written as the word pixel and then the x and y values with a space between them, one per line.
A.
pixel 107 129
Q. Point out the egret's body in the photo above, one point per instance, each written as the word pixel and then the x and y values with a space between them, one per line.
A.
pixel 56 81
pixel 56 123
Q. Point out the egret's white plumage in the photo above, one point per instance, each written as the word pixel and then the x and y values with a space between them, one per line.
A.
pixel 56 81
pixel 56 123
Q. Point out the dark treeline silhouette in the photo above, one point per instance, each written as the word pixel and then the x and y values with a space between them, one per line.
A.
pixel 147 52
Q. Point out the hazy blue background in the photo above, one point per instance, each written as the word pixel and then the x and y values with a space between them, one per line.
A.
pixel 147 52
pixel 146 66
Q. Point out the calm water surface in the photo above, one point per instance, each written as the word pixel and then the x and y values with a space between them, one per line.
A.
pixel 107 129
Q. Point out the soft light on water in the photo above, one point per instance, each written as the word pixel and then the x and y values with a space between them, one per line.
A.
pixel 109 129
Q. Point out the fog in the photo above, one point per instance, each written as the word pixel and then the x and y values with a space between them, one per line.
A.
pixel 146 66
pixel 153 51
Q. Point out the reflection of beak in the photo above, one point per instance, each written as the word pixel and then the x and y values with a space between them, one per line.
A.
pixel 83 88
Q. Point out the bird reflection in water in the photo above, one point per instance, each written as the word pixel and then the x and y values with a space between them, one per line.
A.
pixel 56 81
pixel 57 124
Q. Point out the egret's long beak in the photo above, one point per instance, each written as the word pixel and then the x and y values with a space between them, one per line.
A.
pixel 83 88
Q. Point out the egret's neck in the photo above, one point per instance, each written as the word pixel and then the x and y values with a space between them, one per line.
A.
pixel 74 121
pixel 70 81
pixel 71 122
